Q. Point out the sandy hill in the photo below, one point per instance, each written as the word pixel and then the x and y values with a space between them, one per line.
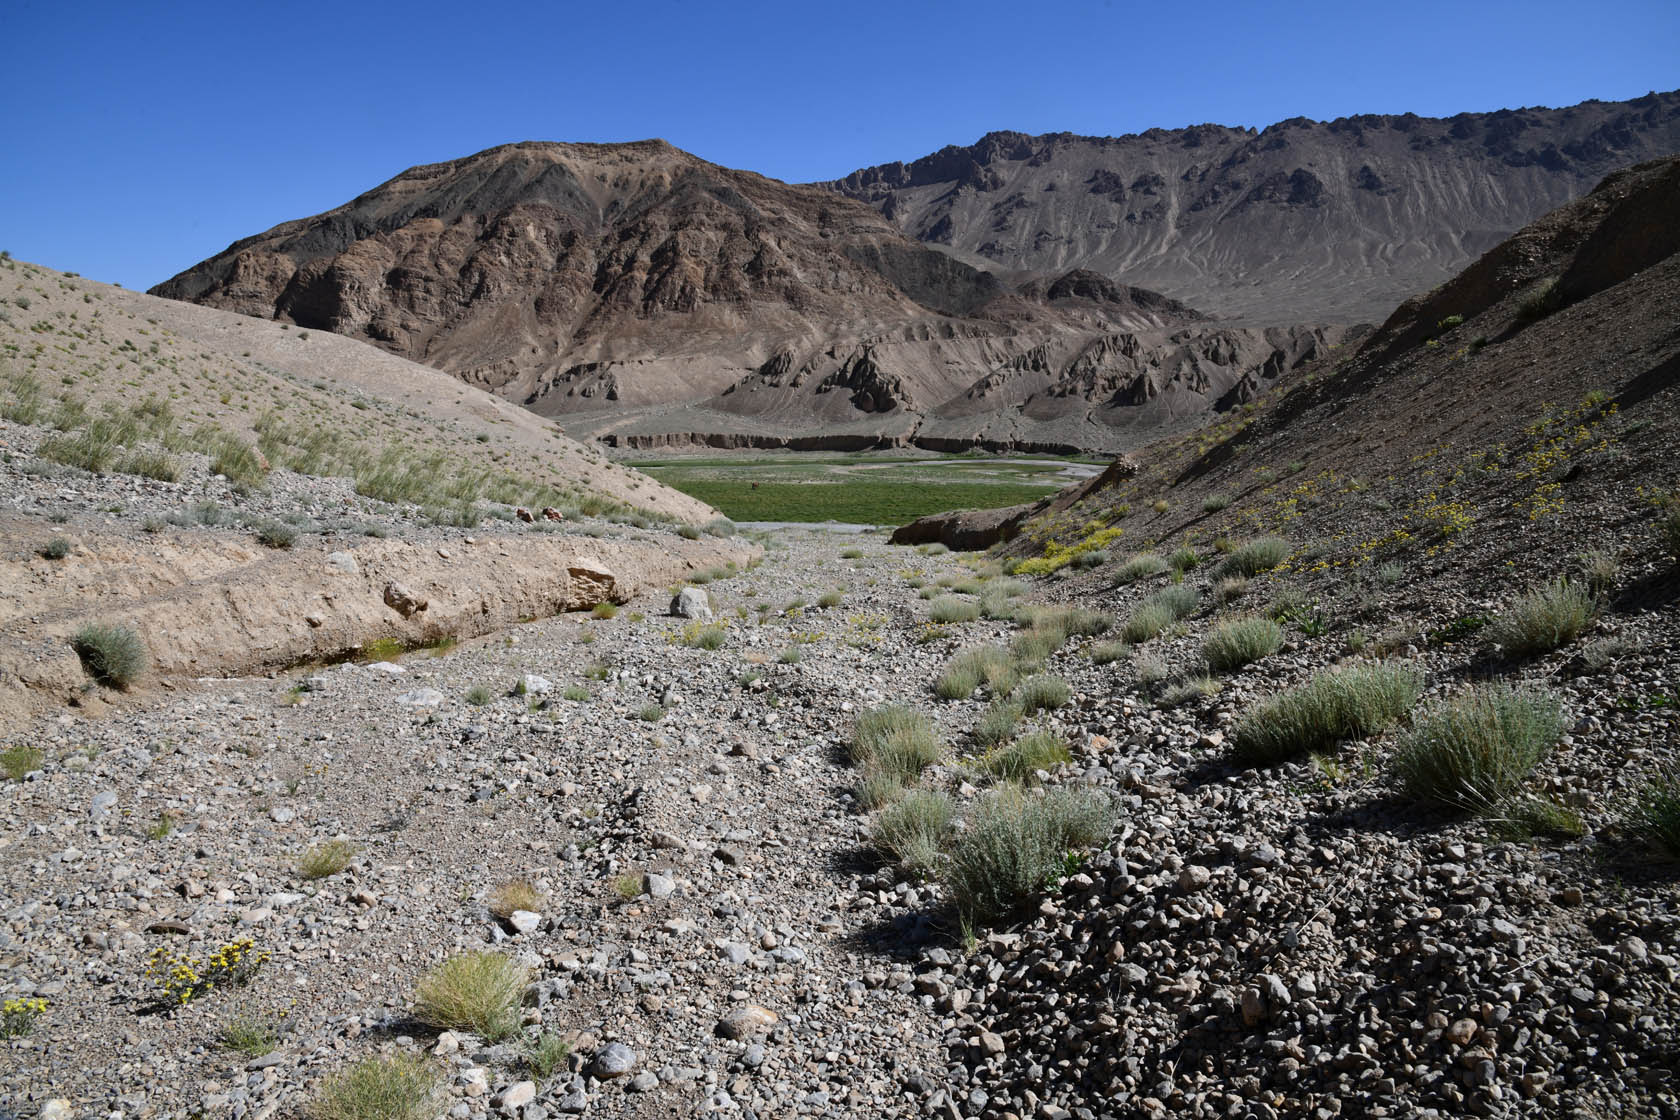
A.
pixel 1303 221
pixel 639 294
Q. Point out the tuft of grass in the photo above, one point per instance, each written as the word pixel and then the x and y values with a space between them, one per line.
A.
pixel 112 654
pixel 1139 566
pixel 56 549
pixel 1017 842
pixel 515 894
pixel 1041 693
pixel 328 857
pixel 1261 554
pixel 1021 760
pixel 1158 612
pixel 1655 814
pixel 971 668
pixel 1150 670
pixel 949 608
pixel 604 611
pixel 18 760
pixel 478 696
pixel 792 655
pixel 831 598
pixel 650 713
pixel 704 635
pixel 1523 818
pixel 478 992
pixel 877 789
pixel 575 692
pixel 1600 570
pixel 1188 691
pixel 1474 751
pixel 1545 618
pixel 914 830
pixel 400 1087
pixel 997 724
pixel 1229 590
pixel 1240 642
pixel 545 1055
pixel 1326 710
pixel 1106 653
pixel 250 1035
pixel 1540 301
pixel 1184 559
pixel 1213 503
pixel 851 554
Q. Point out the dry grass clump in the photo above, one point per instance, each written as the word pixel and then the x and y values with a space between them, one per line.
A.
pixel 1150 617
pixel 969 669
pixel 1017 842
pixel 604 610
pixel 1326 710
pixel 1261 554
pixel 112 654
pixel 997 724
pixel 1141 565
pixel 400 1087
pixel 17 761
pixel 1021 760
pixel 949 608
pixel 1188 691
pixel 914 831
pixel 1240 642
pixel 831 598
pixel 1655 815
pixel 1474 751
pixel 1106 653
pixel 894 740
pixel 328 857
pixel 704 635
pixel 1545 618
pixel 877 789
pixel 1041 693
pixel 477 992
pixel 516 894
pixel 1229 590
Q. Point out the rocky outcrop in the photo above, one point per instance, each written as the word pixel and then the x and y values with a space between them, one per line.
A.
pixel 964 530
pixel 1303 221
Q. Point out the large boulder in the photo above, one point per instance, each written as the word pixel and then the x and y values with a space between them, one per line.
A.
pixel 591 582
pixel 692 602
pixel 964 530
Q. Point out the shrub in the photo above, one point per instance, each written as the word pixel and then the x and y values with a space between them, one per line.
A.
pixel 1329 708
pixel 478 992
pixel 651 712
pixel 326 858
pixel 604 611
pixel 1069 622
pixel 851 554
pixel 934 549
pixel 1016 842
pixel 276 534
pixel 895 739
pixel 1240 641
pixel 1474 751
pixel 545 1054
pixel 688 532
pixel 180 979
pixel 1160 505
pixel 56 549
pixel 1601 570
pixel 1033 647
pixel 1655 816
pixel 792 655
pixel 1146 621
pixel 1195 688
pixel 1229 590
pixel 1183 559
pixel 515 894
pixel 1021 760
pixel 400 1087
pixel 1106 653
pixel 949 608
pixel 831 598
pixel 18 1015
pixel 968 670
pixel 1149 669
pixel 19 760
pixel 913 831
pixel 1041 693
pixel 1252 557
pixel 113 655
pixel 478 695
pixel 1213 503
pixel 250 1035
pixel 1140 566
pixel 1540 300
pixel 1544 619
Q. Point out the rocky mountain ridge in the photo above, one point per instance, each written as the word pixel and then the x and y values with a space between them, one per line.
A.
pixel 1303 221
pixel 639 294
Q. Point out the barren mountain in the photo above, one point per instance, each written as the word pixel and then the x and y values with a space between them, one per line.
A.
pixel 636 292
pixel 1303 221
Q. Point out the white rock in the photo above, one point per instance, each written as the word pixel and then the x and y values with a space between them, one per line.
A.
pixel 342 562
pixel 421 698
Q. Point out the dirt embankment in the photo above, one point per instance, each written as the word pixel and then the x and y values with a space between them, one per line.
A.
pixel 213 605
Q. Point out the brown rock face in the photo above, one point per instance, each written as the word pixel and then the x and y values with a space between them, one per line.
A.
pixel 1304 221
pixel 637 293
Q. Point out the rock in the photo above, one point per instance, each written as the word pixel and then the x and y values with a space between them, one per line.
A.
pixel 1193 879
pixel 103 802
pixel 658 886
pixel 549 513
pixel 524 921
pixel 57 1109
pixel 614 1060
pixel 273 1058
pixel 524 515
pixel 343 562
pixel 747 1021
pixel 400 599
pixel 590 583
pixel 421 698
pixel 753 1056
pixel 1253 1007
pixel 315 684
pixel 644 1082
pixel 1461 1032
pixel 387 668
pixel 535 685
pixel 573 1100
pixel 991 1043
pixel 282 814
pixel 692 602
pixel 516 1096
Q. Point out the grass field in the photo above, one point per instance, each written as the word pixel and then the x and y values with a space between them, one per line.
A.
pixel 856 488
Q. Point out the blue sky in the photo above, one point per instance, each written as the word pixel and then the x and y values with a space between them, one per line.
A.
pixel 142 138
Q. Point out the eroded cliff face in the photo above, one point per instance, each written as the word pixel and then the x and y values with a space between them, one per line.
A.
pixel 1304 221
pixel 637 292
